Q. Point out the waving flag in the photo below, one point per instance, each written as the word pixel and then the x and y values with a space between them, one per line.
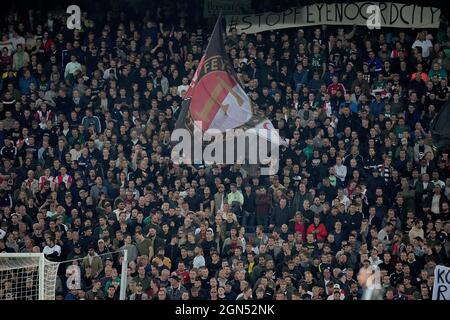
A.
pixel 216 99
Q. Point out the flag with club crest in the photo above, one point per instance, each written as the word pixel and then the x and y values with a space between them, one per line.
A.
pixel 216 98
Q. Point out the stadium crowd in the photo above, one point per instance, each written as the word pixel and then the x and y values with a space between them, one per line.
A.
pixel 85 124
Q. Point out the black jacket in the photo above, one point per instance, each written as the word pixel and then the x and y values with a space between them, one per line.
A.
pixel 249 202
pixel 281 216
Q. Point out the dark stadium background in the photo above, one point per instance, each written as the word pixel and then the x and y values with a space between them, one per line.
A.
pixel 131 7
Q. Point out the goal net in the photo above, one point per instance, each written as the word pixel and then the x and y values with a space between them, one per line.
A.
pixel 30 276
pixel 27 276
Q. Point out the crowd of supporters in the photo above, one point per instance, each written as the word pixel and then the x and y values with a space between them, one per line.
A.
pixel 85 123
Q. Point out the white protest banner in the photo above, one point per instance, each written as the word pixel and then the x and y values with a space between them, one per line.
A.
pixel 212 8
pixel 441 286
pixel 396 15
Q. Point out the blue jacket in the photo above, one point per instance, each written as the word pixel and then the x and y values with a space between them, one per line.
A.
pixel 354 107
pixel 24 84
pixel 375 63
pixel 376 108
pixel 300 77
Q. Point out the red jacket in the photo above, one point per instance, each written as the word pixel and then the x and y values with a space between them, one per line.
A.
pixel 322 235
pixel 47 45
pixel 299 228
pixel 336 87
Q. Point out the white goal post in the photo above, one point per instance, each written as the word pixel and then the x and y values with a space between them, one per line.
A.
pixel 27 276
pixel 30 276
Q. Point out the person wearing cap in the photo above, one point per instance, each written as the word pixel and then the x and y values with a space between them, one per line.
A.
pixel 336 294
pixel 76 252
pixel 176 289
